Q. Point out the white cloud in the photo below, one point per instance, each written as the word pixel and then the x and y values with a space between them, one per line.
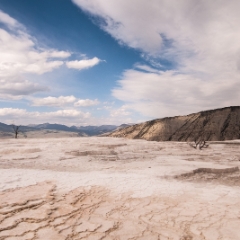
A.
pixel 67 113
pixel 83 64
pixel 20 54
pixel 200 38
pixel 6 19
pixel 59 54
pixel 6 112
pixel 171 93
pixel 19 87
pixel 146 68
pixel 86 103
pixel 63 101
pixel 54 101
pixel 120 112
pixel 129 21
pixel 24 117
pixel 169 27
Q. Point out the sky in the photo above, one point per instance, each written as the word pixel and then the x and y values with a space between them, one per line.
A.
pixel 98 62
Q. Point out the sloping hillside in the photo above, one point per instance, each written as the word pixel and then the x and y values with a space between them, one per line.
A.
pixel 213 125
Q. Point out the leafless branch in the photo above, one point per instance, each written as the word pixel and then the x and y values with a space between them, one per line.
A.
pixel 199 144
pixel 16 130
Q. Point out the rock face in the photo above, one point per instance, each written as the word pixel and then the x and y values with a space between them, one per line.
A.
pixel 213 125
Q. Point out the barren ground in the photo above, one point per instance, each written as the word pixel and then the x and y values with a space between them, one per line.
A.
pixel 108 188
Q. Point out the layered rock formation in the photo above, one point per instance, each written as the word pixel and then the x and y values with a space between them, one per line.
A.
pixel 213 125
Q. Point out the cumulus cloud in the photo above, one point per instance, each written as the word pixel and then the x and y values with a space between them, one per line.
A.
pixel 86 103
pixel 54 101
pixel 199 38
pixel 67 113
pixel 23 117
pixel 63 101
pixel 12 111
pixel 83 64
pixel 21 55
pixel 19 87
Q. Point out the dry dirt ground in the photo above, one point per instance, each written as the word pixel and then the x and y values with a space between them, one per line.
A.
pixel 108 188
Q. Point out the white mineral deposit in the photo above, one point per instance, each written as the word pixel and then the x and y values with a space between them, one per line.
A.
pixel 112 188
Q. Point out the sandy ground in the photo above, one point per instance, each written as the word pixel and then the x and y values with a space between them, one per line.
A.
pixel 107 188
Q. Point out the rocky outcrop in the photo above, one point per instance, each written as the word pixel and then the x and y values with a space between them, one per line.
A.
pixel 213 125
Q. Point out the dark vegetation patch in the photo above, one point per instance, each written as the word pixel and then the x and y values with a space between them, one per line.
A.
pixel 226 176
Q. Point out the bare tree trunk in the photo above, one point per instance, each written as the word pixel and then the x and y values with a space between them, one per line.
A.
pixel 16 130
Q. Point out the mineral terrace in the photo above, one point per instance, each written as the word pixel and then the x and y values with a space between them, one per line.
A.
pixel 113 188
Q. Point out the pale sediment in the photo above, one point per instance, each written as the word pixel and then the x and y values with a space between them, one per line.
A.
pixel 101 188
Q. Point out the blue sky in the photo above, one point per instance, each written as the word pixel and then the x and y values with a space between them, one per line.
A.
pixel 94 62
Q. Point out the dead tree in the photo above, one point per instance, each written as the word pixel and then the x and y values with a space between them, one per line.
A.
pixel 16 130
pixel 199 144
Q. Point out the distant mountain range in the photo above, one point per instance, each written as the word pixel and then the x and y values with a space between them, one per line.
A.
pixel 213 125
pixel 7 130
pixel 96 130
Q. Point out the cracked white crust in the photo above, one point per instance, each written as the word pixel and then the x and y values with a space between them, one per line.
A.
pixel 104 188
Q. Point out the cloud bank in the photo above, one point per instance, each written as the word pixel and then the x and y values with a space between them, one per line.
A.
pixel 53 101
pixel 63 101
pixel 200 40
pixel 169 93
pixel 24 117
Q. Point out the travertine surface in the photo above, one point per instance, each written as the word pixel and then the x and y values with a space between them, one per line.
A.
pixel 107 188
